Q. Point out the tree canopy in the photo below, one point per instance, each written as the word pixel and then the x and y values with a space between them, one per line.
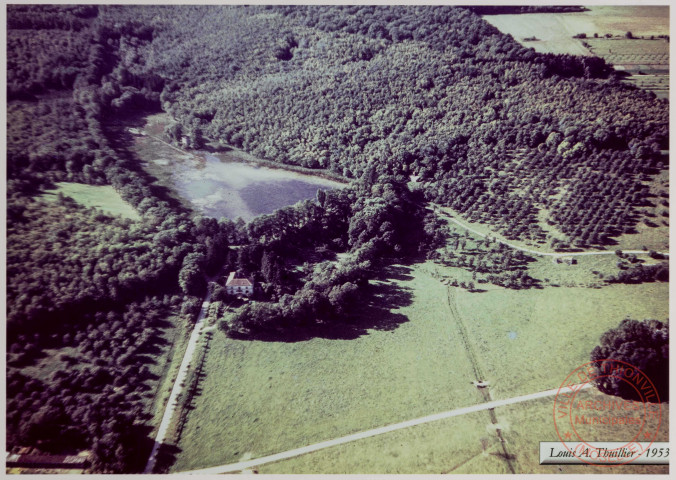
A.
pixel 644 345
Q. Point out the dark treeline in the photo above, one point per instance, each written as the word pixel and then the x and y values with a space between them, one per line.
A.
pixel 518 9
pixel 80 282
pixel 640 274
pixel 368 223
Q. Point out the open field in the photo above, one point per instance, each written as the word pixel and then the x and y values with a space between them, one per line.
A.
pixel 659 84
pixel 260 398
pixel 459 445
pixel 103 197
pixel 577 275
pixel 631 54
pixel 554 31
pixel 445 446
pixel 529 340
pixel 532 423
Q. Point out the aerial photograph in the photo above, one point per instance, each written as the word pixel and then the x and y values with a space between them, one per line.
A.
pixel 336 239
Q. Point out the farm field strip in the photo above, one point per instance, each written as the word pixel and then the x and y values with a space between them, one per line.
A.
pixel 235 467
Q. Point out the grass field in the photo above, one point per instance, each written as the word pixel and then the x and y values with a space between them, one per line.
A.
pixel 264 397
pixel 167 369
pixel 460 445
pixel 448 446
pixel 529 340
pixel 103 197
pixel 532 423
pixel 260 398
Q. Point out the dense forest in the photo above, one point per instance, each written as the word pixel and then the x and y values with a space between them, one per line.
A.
pixel 377 95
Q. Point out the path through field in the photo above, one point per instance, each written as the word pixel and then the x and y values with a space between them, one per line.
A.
pixel 546 254
pixel 239 466
pixel 480 377
pixel 179 384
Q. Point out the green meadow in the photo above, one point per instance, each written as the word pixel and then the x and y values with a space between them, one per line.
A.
pixel 259 398
pixel 103 197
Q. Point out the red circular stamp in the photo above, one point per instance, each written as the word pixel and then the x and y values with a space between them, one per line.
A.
pixel 602 429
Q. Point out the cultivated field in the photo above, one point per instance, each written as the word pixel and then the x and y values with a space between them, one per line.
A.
pixel 632 53
pixel 555 30
pixel 647 60
pixel 103 197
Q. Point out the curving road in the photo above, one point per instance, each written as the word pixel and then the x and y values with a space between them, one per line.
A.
pixel 179 384
pixel 236 467
pixel 546 254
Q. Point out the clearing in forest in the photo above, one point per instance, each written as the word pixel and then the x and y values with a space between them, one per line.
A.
pixel 395 362
pixel 103 197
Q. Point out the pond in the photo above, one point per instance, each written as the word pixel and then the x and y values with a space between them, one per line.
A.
pixel 224 188
pixel 222 184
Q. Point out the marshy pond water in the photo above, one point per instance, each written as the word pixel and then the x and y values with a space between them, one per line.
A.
pixel 222 184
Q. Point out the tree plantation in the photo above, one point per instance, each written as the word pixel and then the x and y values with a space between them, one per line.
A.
pixel 410 105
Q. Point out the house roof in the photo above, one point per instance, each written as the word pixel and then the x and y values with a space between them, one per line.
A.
pixel 235 281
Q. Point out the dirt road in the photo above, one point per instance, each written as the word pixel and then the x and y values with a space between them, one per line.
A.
pixel 239 466
pixel 546 254
pixel 179 384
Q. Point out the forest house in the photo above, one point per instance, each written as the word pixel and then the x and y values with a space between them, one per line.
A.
pixel 239 285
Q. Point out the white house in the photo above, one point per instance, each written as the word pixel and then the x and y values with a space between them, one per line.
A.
pixel 238 285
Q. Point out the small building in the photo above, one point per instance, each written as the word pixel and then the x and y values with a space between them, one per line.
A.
pixel 566 260
pixel 239 285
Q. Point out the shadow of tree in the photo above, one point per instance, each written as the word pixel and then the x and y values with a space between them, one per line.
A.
pixel 375 312
pixel 166 457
